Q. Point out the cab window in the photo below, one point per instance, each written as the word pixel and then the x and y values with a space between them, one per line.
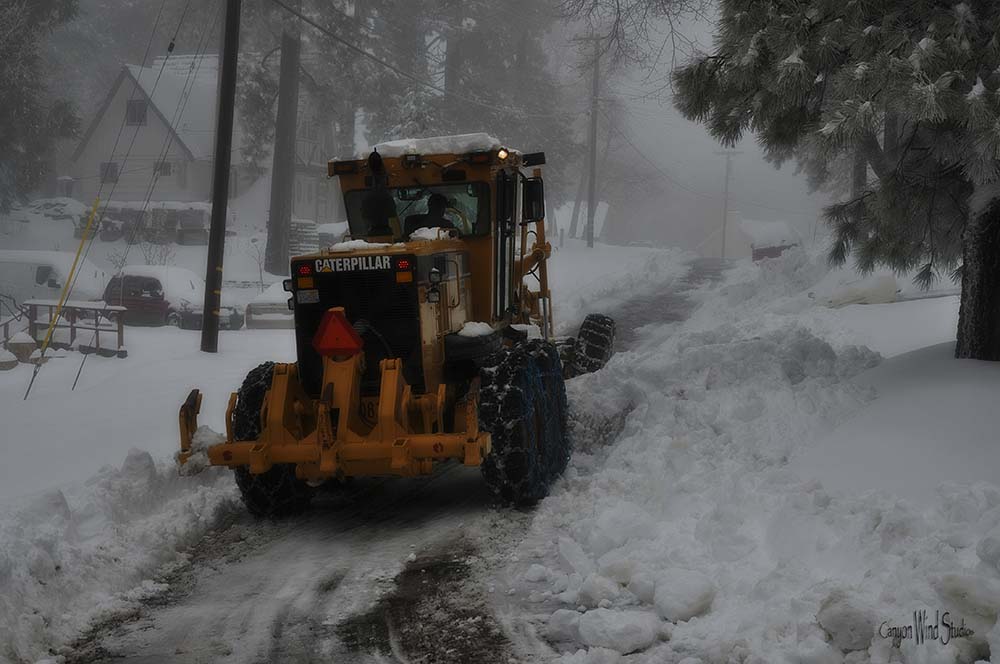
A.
pixel 401 210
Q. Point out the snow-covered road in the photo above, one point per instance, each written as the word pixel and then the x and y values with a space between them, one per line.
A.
pixel 682 531
pixel 380 572
pixel 393 570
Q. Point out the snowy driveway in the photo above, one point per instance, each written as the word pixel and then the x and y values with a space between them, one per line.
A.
pixel 393 570
pixel 368 575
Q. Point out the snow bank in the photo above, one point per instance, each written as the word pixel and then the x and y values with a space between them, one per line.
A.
pixel 596 280
pixel 696 514
pixel 934 422
pixel 69 560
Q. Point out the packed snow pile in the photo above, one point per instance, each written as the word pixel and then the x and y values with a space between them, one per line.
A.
pixel 689 538
pixel 67 561
pixel 585 281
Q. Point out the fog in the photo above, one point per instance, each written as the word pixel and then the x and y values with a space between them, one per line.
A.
pixel 686 163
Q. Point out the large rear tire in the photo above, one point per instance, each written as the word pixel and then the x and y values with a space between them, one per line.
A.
pixel 278 492
pixel 595 344
pixel 523 405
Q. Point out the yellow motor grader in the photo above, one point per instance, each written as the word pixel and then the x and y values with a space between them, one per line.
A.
pixel 425 337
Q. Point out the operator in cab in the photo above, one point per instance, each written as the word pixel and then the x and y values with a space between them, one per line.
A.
pixel 437 205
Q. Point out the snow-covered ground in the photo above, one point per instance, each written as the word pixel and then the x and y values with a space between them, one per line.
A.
pixel 72 509
pixel 696 534
pixel 700 534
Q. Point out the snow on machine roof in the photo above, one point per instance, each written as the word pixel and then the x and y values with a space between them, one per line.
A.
pixel 458 144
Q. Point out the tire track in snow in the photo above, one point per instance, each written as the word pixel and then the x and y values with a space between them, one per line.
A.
pixel 260 591
pixel 331 586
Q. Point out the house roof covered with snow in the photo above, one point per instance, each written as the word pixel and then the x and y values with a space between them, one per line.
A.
pixel 183 95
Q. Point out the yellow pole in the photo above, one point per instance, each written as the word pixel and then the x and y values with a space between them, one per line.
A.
pixel 69 278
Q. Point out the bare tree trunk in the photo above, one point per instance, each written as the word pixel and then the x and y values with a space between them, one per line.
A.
pixel 890 136
pixel 346 128
pixel 454 61
pixel 279 221
pixel 579 197
pixel 979 315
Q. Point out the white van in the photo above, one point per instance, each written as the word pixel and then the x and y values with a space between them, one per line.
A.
pixel 41 275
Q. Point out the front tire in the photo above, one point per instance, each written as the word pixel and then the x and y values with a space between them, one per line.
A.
pixel 278 492
pixel 174 319
pixel 523 406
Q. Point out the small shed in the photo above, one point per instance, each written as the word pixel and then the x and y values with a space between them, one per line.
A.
pixel 768 239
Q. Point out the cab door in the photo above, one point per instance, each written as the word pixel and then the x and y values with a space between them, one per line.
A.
pixel 506 231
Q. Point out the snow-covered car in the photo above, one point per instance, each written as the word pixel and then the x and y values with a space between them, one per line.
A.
pixel 269 310
pixel 26 275
pixel 165 295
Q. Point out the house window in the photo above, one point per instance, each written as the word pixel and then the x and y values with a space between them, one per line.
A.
pixel 109 172
pixel 164 168
pixel 135 113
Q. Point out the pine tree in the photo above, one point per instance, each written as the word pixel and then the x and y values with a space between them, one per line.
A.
pixel 491 61
pixel 906 95
pixel 30 117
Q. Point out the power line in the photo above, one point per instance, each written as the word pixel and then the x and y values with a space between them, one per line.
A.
pixel 90 243
pixel 182 102
pixel 407 75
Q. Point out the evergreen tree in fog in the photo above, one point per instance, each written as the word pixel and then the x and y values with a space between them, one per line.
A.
pixel 31 118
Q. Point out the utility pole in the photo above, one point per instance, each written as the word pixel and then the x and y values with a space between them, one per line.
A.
pixel 220 181
pixel 729 154
pixel 279 219
pixel 592 185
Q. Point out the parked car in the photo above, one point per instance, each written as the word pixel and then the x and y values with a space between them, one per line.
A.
pixel 27 274
pixel 165 295
pixel 269 310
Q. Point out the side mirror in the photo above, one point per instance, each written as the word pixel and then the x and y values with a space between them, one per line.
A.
pixel 533 200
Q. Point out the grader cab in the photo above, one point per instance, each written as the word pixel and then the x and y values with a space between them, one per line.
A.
pixel 425 337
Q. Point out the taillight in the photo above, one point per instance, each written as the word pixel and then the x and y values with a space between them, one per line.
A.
pixel 305 269
pixel 403 264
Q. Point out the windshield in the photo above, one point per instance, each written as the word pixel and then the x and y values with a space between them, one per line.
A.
pixel 400 211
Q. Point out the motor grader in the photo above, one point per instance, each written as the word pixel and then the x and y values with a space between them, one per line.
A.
pixel 426 337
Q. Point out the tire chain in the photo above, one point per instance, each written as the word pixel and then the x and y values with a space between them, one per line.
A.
pixel 508 413
pixel 277 492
